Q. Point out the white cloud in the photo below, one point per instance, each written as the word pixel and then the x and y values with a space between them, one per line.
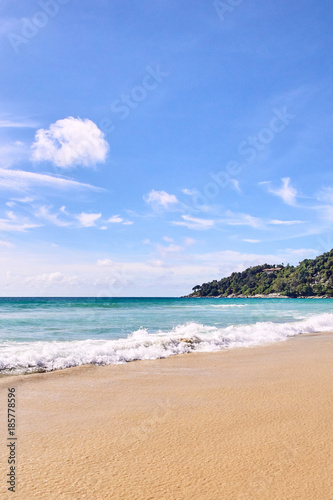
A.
pixel 88 220
pixel 17 123
pixel 233 219
pixel 189 241
pixel 160 199
pixel 168 239
pixel 104 262
pixel 15 224
pixel 20 180
pixel 251 241
pixel 48 271
pixel 5 244
pixel 172 248
pixel 326 195
pixel 12 153
pixel 11 215
pixel 70 142
pixel 44 212
pixel 156 263
pixel 235 184
pixel 115 219
pixel 189 192
pixel 26 199
pixel 286 222
pixel 52 279
pixel 286 192
pixel 194 223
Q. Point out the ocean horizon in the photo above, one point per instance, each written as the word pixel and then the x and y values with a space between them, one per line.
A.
pixel 51 333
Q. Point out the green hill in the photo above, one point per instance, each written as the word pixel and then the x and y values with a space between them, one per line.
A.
pixel 312 277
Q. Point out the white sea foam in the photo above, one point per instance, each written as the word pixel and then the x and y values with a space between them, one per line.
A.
pixel 18 357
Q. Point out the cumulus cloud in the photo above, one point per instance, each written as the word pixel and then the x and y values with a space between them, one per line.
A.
pixel 160 199
pixel 70 142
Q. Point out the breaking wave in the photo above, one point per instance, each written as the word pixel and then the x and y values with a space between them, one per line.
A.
pixel 23 357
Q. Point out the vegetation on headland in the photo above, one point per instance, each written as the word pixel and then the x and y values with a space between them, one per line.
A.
pixel 311 278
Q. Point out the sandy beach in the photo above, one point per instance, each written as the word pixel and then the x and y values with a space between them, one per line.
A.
pixel 243 424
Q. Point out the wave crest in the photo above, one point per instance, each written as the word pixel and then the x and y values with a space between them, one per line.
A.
pixel 18 357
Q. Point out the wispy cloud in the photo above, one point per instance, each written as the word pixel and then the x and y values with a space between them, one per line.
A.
pixel 48 280
pixel 287 193
pixel 70 142
pixel 286 222
pixel 235 184
pixel 6 244
pixel 45 213
pixel 20 180
pixel 233 219
pixel 17 123
pixel 12 153
pixel 63 218
pixel 172 248
pixel 194 223
pixel 168 239
pixel 325 195
pixel 116 219
pixel 16 224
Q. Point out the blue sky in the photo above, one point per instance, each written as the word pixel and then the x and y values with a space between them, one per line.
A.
pixel 149 147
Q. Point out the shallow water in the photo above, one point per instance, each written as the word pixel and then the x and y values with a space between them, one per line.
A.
pixel 53 333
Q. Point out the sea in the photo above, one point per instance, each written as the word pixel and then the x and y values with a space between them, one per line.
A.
pixel 45 334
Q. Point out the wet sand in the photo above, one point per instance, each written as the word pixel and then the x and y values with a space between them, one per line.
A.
pixel 243 424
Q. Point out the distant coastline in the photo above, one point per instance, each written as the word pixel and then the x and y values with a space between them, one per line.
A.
pixel 258 296
pixel 312 278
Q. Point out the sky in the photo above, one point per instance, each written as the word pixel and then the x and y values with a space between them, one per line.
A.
pixel 152 146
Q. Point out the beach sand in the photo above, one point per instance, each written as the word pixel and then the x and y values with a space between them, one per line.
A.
pixel 243 424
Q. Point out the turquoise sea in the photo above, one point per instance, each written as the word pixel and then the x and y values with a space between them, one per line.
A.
pixel 43 334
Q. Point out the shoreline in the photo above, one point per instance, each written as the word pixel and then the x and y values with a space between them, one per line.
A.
pixel 233 424
pixel 257 296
